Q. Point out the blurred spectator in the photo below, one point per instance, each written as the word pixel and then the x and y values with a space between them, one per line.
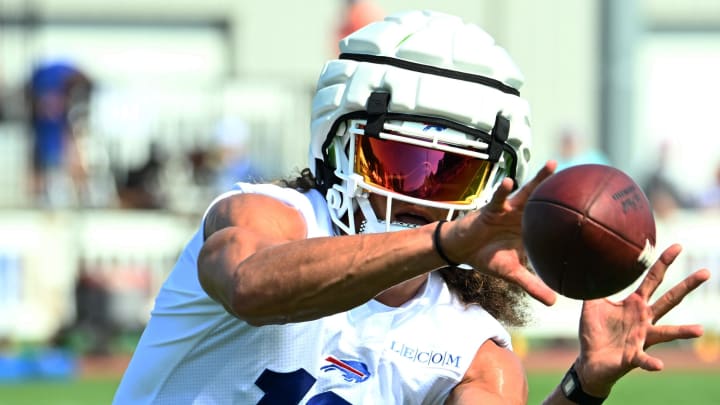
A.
pixel 355 15
pixel 574 150
pixel 2 102
pixel 92 321
pixel 59 94
pixel 232 161
pixel 664 195
pixel 710 198
pixel 201 165
pixel 140 187
pixel 3 113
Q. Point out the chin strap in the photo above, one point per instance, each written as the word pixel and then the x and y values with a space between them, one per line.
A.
pixel 499 136
pixel 377 109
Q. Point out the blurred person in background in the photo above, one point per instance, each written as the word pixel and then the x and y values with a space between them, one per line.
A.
pixel 2 98
pixel 224 160
pixel 59 94
pixel 140 187
pixel 710 198
pixel 574 150
pixel 92 326
pixel 664 195
pixel 356 14
pixel 389 270
pixel 232 161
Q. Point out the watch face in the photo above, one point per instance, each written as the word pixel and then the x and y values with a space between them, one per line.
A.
pixel 568 385
pixel 573 391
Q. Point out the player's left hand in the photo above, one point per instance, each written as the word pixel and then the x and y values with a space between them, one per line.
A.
pixel 615 335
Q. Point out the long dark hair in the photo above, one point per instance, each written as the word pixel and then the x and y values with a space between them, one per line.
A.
pixel 505 301
pixel 304 181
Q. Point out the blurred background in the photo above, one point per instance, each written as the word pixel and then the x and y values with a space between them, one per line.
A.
pixel 120 121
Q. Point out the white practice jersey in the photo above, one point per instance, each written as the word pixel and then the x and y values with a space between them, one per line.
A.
pixel 194 352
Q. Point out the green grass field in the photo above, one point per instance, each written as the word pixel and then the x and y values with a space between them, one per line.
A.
pixel 644 388
pixel 74 392
pixel 638 388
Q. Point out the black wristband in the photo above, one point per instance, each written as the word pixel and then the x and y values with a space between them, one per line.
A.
pixel 438 248
pixel 572 389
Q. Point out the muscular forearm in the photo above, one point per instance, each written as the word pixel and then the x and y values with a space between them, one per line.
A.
pixel 311 278
pixel 557 398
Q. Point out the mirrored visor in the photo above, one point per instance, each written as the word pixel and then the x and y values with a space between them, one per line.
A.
pixel 420 172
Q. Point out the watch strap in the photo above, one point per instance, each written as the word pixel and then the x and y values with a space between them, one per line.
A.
pixel 572 389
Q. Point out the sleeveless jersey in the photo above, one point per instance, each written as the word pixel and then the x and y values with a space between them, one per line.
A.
pixel 193 352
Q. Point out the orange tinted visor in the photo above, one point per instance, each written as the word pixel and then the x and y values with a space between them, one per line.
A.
pixel 420 172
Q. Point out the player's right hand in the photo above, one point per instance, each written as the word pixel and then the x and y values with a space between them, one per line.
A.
pixel 490 239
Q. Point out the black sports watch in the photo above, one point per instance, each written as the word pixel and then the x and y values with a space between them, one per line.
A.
pixel 572 389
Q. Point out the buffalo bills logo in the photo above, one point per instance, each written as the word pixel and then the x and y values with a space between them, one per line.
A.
pixel 438 128
pixel 352 371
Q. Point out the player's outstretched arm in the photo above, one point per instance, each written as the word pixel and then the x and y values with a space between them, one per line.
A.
pixel 258 263
pixel 614 336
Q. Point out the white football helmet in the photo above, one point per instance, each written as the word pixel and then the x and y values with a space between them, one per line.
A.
pixel 420 107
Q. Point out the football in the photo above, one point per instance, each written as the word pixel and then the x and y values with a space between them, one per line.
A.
pixel 589 231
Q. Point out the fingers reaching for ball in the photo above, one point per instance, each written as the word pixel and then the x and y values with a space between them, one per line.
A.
pixel 534 286
pixel 668 333
pixel 648 362
pixel 675 295
pixel 500 197
pixel 497 204
pixel 656 274
pixel 670 299
pixel 541 175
